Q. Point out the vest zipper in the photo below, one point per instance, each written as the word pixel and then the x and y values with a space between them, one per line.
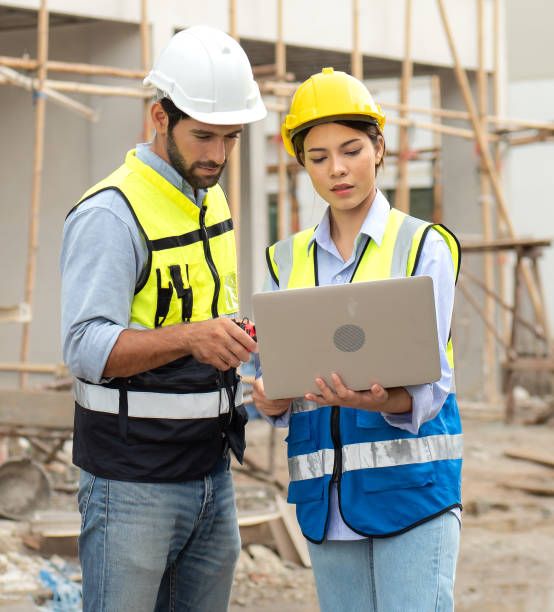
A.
pixel 210 261
pixel 335 436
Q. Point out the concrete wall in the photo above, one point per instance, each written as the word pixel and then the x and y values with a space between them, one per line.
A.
pixel 77 153
pixel 330 23
pixel 530 94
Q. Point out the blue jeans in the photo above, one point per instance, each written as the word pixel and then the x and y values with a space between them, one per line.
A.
pixel 167 546
pixel 411 572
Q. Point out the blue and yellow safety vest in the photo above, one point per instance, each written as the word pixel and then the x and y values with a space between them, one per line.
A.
pixel 389 480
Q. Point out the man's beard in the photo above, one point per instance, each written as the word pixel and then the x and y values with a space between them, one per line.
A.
pixel 187 172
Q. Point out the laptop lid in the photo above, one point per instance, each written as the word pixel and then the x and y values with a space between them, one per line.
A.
pixel 368 332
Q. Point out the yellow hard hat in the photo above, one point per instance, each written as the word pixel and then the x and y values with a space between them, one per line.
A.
pixel 328 94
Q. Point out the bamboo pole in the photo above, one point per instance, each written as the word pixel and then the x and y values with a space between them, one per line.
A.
pixel 40 110
pixel 523 140
pixel 287 89
pixel 71 67
pixel 145 65
pixel 280 62
pixel 95 69
pixel 402 195
pixel 282 230
pixel 100 90
pixel 441 129
pixel 489 352
pixel 37 368
pixel 469 297
pixel 265 70
pixel 534 328
pixel 463 82
pixel 8 75
pixel 356 58
pixel 438 212
pixel 454 114
pixel 234 159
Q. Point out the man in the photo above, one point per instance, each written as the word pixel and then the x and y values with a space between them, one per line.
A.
pixel 148 294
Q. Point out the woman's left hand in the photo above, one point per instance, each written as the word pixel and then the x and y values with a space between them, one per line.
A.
pixel 376 399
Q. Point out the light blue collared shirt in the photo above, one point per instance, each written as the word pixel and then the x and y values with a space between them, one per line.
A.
pixel 103 257
pixel 435 261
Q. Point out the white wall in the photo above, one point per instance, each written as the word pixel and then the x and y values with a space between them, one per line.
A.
pixel 530 177
pixel 528 172
pixel 313 23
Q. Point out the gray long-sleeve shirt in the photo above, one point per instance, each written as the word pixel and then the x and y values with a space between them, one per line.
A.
pixel 103 256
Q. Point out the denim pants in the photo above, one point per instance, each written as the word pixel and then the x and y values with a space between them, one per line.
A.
pixel 410 572
pixel 166 546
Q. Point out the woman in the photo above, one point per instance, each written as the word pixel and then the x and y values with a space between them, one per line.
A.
pixel 375 474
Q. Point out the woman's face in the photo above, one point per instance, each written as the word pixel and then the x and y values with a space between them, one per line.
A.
pixel 341 163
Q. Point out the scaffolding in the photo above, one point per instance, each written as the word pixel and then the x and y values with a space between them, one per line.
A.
pixel 492 133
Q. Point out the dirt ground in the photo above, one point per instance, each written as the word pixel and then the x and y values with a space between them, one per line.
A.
pixel 506 560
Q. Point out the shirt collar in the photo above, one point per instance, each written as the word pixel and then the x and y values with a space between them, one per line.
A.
pixel 373 226
pixel 148 157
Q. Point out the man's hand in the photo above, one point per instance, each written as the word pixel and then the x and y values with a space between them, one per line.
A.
pixel 375 399
pixel 219 342
pixel 268 407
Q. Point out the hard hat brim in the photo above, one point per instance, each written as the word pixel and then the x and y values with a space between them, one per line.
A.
pixel 235 117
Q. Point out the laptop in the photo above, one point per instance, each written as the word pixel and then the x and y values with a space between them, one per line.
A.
pixel 382 331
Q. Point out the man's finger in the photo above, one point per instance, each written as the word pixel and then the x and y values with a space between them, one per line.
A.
pixel 241 337
pixel 238 350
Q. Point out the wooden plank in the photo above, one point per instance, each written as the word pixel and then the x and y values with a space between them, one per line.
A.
pixel 503 244
pixel 529 364
pixel 49 409
pixel 534 489
pixel 293 528
pixel 246 520
pixel 283 541
pixel 534 456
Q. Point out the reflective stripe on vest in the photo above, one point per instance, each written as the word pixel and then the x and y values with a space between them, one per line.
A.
pixel 147 405
pixel 386 453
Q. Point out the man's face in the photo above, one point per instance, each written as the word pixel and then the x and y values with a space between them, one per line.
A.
pixel 199 151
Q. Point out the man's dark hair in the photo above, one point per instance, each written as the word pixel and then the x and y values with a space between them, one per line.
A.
pixel 174 114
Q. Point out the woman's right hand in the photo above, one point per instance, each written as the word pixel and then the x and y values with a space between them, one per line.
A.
pixel 268 407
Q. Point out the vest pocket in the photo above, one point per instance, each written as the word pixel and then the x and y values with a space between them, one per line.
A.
pixel 163 299
pixel 300 438
pixel 398 477
pixel 183 293
pixel 302 491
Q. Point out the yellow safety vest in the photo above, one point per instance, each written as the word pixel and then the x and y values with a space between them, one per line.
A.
pixel 175 422
pixel 291 265
pixel 192 257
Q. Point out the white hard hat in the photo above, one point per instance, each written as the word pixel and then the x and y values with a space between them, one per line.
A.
pixel 207 75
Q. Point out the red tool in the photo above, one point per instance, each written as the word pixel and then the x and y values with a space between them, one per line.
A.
pixel 248 327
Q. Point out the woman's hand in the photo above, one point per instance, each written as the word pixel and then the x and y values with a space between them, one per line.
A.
pixel 268 407
pixel 375 399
